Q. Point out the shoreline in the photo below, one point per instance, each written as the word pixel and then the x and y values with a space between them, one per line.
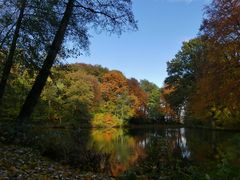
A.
pixel 131 126
pixel 18 162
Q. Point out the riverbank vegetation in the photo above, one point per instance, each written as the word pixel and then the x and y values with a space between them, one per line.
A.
pixel 82 94
pixel 204 76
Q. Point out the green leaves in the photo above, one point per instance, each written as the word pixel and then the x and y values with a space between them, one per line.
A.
pixel 153 100
pixel 183 72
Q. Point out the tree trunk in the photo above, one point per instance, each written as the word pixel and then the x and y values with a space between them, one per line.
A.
pixel 7 35
pixel 9 60
pixel 43 74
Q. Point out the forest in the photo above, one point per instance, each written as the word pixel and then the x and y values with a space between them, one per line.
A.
pixel 84 95
pixel 56 108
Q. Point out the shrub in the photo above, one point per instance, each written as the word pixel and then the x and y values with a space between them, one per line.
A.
pixel 106 120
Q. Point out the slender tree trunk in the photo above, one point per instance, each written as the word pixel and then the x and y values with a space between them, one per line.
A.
pixel 9 60
pixel 41 79
pixel 7 35
pixel 49 109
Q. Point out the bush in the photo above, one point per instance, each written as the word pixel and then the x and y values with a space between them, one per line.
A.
pixel 106 120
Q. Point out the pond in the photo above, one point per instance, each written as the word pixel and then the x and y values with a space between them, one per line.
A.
pixel 147 152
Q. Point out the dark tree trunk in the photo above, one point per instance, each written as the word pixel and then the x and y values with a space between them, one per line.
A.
pixel 9 60
pixel 7 35
pixel 43 74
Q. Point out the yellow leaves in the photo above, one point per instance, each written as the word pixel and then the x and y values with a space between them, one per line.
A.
pixel 106 120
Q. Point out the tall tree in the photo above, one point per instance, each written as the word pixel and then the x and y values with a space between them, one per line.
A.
pixel 168 111
pixel 70 95
pixel 45 71
pixel 221 27
pixel 140 98
pixel 183 72
pixel 9 60
pixel 153 100
pixel 220 83
pixel 30 19
pixel 113 16
pixel 204 75
pixel 114 88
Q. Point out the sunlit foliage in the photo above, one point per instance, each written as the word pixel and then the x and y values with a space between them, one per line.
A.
pixel 205 73
pixel 82 94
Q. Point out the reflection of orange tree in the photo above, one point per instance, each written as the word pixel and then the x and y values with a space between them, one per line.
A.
pixel 123 149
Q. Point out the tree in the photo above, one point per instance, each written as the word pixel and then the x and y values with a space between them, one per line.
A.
pixel 114 84
pixel 94 70
pixel 24 25
pixel 81 94
pixel 183 72
pixel 45 71
pixel 204 75
pixel 18 86
pixel 72 95
pixel 166 109
pixel 115 95
pixel 8 15
pixel 220 82
pixel 221 27
pixel 79 15
pixel 9 61
pixel 153 101
pixel 140 98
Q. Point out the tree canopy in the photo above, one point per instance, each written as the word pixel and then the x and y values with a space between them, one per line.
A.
pixel 204 75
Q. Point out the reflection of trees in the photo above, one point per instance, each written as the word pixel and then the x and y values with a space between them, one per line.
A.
pixel 215 152
pixel 177 142
pixel 123 150
pixel 68 146
pixel 157 152
pixel 207 145
pixel 166 154
pixel 204 144
pixel 175 139
pixel 172 153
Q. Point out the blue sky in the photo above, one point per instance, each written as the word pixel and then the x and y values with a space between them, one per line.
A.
pixel 163 26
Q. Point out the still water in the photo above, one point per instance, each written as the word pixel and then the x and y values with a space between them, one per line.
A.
pixel 148 152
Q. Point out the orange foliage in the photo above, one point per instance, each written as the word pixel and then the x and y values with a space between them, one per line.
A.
pixel 218 87
pixel 165 107
pixel 140 101
pixel 221 26
pixel 113 84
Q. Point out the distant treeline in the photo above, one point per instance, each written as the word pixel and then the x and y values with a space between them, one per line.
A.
pixel 81 93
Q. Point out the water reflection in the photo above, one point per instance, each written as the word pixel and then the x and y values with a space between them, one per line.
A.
pixel 151 153
pixel 126 150
pixel 123 149
pixel 177 142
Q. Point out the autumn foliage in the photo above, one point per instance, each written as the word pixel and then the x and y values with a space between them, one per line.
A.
pixel 208 88
pixel 82 94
